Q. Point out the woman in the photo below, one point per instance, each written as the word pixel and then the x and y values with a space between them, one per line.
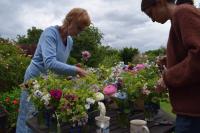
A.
pixel 52 52
pixel 182 76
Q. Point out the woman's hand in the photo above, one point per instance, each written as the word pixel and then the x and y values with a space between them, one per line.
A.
pixel 81 72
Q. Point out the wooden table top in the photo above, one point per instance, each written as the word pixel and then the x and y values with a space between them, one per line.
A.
pixel 163 123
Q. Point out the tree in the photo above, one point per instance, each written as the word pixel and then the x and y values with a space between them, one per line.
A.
pixel 90 40
pixel 127 54
pixel 32 36
pixel 152 54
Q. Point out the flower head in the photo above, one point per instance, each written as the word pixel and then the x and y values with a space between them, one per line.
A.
pixel 110 89
pixel 90 100
pixel 139 67
pixel 46 98
pixel 86 55
pixel 120 95
pixel 56 94
pixel 99 96
pixel 15 102
pixel 38 94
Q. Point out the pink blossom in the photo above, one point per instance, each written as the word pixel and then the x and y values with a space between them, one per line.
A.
pixel 86 55
pixel 146 92
pixel 110 89
pixel 56 94
pixel 140 66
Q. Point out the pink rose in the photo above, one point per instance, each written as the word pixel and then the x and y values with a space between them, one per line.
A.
pixel 140 66
pixel 110 89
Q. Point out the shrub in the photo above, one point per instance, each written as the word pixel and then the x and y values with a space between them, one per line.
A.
pixel 12 66
pixel 29 49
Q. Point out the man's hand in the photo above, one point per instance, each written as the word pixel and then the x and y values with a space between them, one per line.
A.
pixel 160 87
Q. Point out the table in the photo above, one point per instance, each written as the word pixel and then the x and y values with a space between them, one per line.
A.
pixel 156 126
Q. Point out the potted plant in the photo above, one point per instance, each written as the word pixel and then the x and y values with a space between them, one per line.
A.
pixel 64 101
pixel 3 119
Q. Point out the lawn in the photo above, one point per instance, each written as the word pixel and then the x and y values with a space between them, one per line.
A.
pixel 168 108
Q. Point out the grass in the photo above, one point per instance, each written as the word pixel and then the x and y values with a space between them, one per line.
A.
pixel 167 108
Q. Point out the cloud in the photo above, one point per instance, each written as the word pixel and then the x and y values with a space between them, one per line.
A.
pixel 121 22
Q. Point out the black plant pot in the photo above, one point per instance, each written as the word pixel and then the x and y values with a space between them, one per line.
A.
pixel 69 129
pixel 92 115
pixel 3 120
pixel 151 110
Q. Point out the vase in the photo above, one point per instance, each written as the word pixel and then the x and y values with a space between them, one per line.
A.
pixel 75 129
pixel 68 128
pixel 46 120
pixel 123 119
pixel 92 115
pixel 139 104
pixel 151 110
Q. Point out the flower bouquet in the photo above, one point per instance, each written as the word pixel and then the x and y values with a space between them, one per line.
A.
pixel 66 102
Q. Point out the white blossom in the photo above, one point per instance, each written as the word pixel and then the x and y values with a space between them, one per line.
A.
pixel 90 101
pixel 36 86
pixel 38 94
pixel 87 106
pixel 46 98
pixel 99 96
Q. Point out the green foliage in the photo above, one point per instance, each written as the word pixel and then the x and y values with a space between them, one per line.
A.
pixel 132 85
pixel 72 60
pixel 12 66
pixel 10 102
pixel 152 54
pixel 110 57
pixel 32 36
pixel 90 40
pixel 127 54
pixel 3 40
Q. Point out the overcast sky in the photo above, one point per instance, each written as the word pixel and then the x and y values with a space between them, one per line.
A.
pixel 121 21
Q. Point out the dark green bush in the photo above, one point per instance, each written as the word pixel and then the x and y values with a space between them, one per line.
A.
pixel 13 64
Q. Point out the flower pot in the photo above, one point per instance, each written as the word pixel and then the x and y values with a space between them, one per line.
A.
pixel 46 120
pixel 66 128
pixel 92 115
pixel 139 104
pixel 123 119
pixel 3 120
pixel 151 110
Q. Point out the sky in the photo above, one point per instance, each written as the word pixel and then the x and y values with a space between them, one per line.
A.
pixel 121 21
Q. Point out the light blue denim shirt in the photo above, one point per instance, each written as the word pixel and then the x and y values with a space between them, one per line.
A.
pixel 51 54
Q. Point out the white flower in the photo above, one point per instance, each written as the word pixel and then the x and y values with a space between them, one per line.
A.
pixel 120 95
pixel 146 91
pixel 46 98
pixel 90 101
pixel 36 86
pixel 87 106
pixel 38 94
pixel 99 96
pixel 145 86
pixel 35 82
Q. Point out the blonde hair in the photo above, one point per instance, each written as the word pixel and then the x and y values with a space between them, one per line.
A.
pixel 79 15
